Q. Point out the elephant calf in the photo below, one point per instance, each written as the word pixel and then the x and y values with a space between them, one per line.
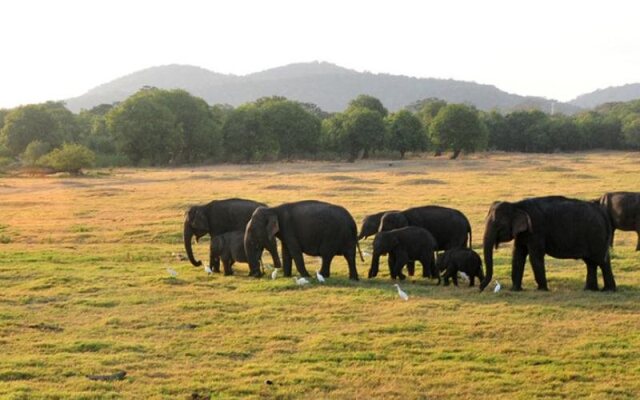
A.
pixel 460 260
pixel 229 247
pixel 406 244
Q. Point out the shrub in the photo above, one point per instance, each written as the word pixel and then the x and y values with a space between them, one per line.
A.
pixel 34 151
pixel 70 158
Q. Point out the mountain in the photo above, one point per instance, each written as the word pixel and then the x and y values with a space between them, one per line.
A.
pixel 608 95
pixel 329 86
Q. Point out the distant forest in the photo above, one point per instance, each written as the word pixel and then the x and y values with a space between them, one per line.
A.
pixel 157 127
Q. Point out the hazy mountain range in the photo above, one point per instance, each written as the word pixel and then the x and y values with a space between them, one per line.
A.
pixel 331 87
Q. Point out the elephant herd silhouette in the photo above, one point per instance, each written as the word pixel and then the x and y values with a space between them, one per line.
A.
pixel 561 227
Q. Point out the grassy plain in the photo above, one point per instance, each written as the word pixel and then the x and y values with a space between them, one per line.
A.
pixel 84 290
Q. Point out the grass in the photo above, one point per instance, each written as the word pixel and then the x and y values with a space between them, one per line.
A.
pixel 85 291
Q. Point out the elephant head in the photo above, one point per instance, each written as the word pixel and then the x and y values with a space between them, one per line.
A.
pixel 503 223
pixel 393 220
pixel 382 244
pixel 370 225
pixel 196 224
pixel 442 261
pixel 260 234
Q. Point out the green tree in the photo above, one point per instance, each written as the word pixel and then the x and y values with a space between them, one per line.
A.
pixel 406 133
pixel 332 129
pixel 631 131
pixel 145 129
pixel 459 128
pixel 71 157
pixel 368 102
pixel 244 138
pixel 25 124
pixel 34 151
pixel 361 127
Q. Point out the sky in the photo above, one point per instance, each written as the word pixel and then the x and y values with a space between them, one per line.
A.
pixel 52 50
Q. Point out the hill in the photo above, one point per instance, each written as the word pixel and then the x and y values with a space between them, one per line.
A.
pixel 608 95
pixel 329 86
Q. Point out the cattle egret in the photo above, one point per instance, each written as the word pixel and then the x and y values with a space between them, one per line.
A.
pixel 172 272
pixel 274 274
pixel 497 288
pixel 319 277
pixel 464 276
pixel 301 281
pixel 208 270
pixel 366 254
pixel 401 293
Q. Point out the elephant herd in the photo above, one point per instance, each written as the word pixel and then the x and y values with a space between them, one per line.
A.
pixel 240 230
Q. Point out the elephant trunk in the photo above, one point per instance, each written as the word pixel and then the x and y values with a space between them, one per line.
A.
pixel 272 248
pixel 188 234
pixel 489 241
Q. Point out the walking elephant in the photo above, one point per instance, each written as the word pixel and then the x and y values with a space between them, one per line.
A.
pixel 229 247
pixel 216 218
pixel 553 225
pixel 310 227
pixel 624 210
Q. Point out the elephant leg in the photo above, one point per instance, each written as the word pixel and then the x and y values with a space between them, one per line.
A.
pixel 411 268
pixel 592 275
pixel 296 254
pixel 472 280
pixel 402 258
pixel 350 256
pixel 214 260
pixel 607 274
pixel 227 262
pixel 517 265
pixel 638 232
pixel 536 258
pixel 391 260
pixel 454 278
pixel 286 261
pixel 325 270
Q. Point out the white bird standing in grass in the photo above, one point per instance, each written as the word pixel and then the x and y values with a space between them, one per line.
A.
pixel 172 272
pixel 319 277
pixel 401 293
pixel 301 281
pixel 366 254
pixel 274 274
pixel 208 270
pixel 497 288
pixel 464 276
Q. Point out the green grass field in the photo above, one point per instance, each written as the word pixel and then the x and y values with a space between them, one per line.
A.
pixel 84 290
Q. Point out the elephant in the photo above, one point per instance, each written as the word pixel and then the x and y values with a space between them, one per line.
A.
pixel 554 225
pixel 406 244
pixel 216 218
pixel 624 210
pixel 311 227
pixel 229 248
pixel 371 224
pixel 460 260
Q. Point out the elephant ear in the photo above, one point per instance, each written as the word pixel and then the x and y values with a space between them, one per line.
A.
pixel 521 223
pixel 199 220
pixel 272 226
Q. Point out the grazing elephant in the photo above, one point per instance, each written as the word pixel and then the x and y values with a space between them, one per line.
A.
pixel 406 244
pixel 216 218
pixel 553 225
pixel 371 224
pixel 624 210
pixel 310 227
pixel 460 260
pixel 229 248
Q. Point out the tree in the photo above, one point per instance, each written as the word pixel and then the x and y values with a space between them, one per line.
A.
pixel 361 127
pixel 631 131
pixel 458 127
pixel 406 133
pixel 368 102
pixel 34 151
pixel 25 124
pixel 70 158
pixel 145 129
pixel 297 131
pixel 243 137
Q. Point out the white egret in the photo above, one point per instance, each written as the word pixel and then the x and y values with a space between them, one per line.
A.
pixel 497 288
pixel 319 277
pixel 301 281
pixel 274 274
pixel 464 276
pixel 172 272
pixel 208 270
pixel 404 296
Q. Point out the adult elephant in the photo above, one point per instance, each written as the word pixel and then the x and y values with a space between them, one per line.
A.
pixel 310 227
pixel 553 225
pixel 624 210
pixel 216 218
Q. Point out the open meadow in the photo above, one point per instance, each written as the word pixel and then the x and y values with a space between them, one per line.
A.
pixel 84 290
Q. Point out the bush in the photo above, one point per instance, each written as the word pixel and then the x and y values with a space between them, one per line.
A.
pixel 70 158
pixel 34 151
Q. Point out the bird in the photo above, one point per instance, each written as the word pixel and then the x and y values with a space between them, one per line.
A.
pixel 497 288
pixel 208 270
pixel 172 272
pixel 366 254
pixel 319 277
pixel 301 281
pixel 464 276
pixel 274 274
pixel 401 293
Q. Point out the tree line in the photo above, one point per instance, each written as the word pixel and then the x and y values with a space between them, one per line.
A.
pixel 171 127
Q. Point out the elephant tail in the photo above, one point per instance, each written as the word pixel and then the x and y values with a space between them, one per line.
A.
pixel 359 251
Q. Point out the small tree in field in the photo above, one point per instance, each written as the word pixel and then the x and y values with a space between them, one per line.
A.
pixel 458 127
pixel 34 151
pixel 406 133
pixel 70 158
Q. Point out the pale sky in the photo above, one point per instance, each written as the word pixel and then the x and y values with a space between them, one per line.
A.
pixel 558 49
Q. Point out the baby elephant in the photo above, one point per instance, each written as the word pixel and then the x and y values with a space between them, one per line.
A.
pixel 406 244
pixel 460 260
pixel 230 248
